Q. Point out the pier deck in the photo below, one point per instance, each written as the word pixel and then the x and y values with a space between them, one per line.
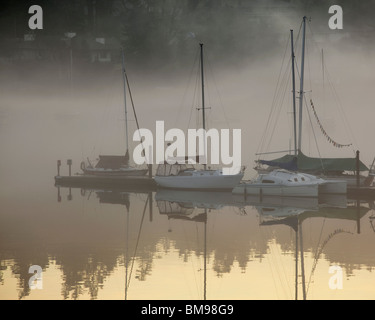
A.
pixel 361 192
pixel 106 181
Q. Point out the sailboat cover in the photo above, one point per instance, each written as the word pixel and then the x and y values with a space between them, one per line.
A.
pixel 112 162
pixel 304 163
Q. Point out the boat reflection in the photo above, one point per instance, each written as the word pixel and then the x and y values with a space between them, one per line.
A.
pixel 126 233
pixel 196 199
pixel 294 218
pixel 288 211
pixel 96 235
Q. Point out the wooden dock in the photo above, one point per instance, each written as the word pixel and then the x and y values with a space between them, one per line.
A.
pixel 84 181
pixel 361 192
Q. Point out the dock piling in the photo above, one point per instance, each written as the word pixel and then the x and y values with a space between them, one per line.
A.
pixel 69 163
pixel 150 171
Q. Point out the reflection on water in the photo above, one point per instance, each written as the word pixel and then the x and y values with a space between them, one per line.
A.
pixel 119 244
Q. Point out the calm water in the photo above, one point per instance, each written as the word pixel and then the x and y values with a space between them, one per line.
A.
pixel 122 244
pixel 116 244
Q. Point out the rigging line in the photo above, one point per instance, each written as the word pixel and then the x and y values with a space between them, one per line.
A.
pixel 135 114
pixel 296 48
pixel 275 112
pixel 210 69
pixel 312 129
pixel 282 271
pixel 106 114
pixel 316 256
pixel 132 101
pixel 277 93
pixel 323 80
pixel 339 104
pixel 273 263
pixel 330 236
pixel 313 40
pixel 307 50
pixel 187 86
pixel 277 108
pixel 263 236
pixel 320 50
pixel 199 262
pixel 286 82
pixel 194 102
pixel 273 100
pixel 336 144
pixel 190 251
pixel 204 252
pixel 136 246
pixel 278 270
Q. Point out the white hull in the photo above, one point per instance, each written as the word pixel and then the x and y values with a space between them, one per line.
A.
pixel 214 182
pixel 351 180
pixel 333 187
pixel 279 190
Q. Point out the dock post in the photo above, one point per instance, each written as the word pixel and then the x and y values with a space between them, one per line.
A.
pixel 150 171
pixel 58 167
pixel 357 167
pixel 70 196
pixel 69 162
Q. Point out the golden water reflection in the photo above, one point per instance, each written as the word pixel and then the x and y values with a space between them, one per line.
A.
pixel 116 244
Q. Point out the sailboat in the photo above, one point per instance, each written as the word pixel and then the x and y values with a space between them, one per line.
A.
pixel 115 165
pixel 335 171
pixel 180 175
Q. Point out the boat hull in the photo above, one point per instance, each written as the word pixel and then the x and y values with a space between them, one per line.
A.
pixel 331 186
pixel 204 182
pixel 351 179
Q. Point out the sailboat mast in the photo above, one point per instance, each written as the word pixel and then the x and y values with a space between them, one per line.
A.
pixel 301 85
pixel 294 94
pixel 203 106
pixel 202 79
pixel 126 111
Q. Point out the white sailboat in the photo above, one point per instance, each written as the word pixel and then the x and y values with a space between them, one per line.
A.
pixel 326 168
pixel 185 176
pixel 115 165
pixel 281 183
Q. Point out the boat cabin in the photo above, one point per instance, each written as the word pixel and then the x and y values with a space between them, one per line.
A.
pixel 167 169
pixel 284 177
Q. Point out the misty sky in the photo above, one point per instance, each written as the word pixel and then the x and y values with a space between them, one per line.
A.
pixel 43 117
